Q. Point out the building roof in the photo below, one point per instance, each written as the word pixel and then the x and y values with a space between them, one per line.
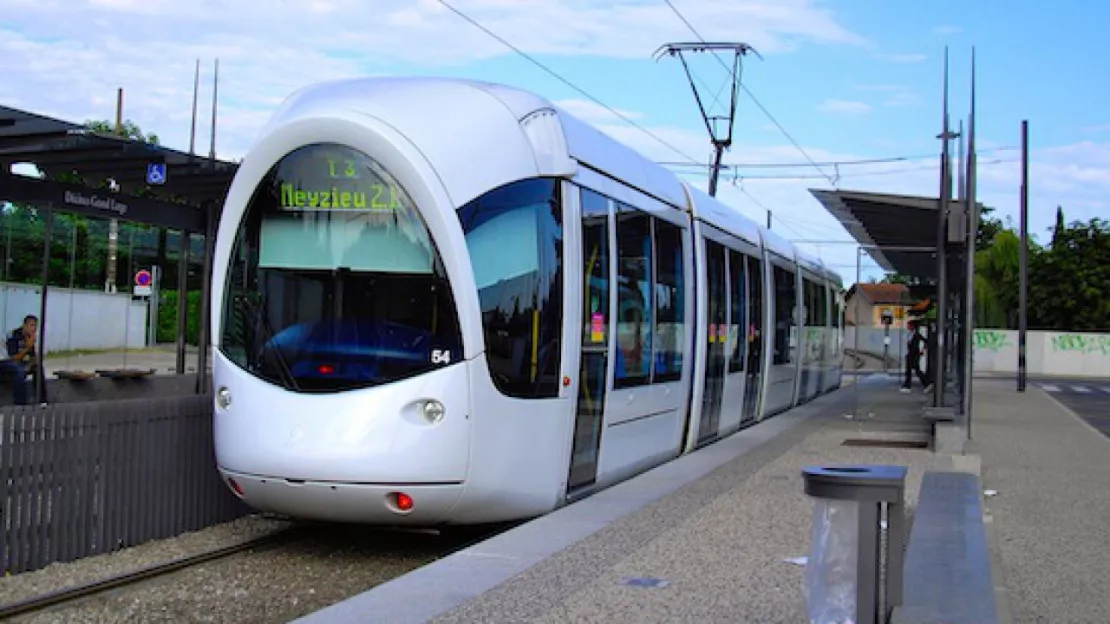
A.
pixel 879 294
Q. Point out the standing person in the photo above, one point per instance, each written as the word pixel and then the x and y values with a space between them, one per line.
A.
pixel 913 358
pixel 22 357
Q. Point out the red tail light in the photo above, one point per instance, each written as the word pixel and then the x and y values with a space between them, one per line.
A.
pixel 402 501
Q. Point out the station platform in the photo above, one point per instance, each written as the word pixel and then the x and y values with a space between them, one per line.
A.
pixel 721 535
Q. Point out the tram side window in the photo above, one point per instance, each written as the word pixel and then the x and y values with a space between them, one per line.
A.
pixel 810 303
pixel 823 306
pixel 595 243
pixel 670 302
pixel 515 238
pixel 811 319
pixel 807 309
pixel 634 304
pixel 786 302
pixel 737 298
pixel 754 329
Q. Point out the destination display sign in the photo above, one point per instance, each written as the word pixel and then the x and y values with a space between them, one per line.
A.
pixel 333 177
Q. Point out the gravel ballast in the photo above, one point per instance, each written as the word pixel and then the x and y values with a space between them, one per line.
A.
pixel 277 583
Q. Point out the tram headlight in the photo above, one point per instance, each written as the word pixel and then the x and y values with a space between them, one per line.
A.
pixel 223 397
pixel 433 411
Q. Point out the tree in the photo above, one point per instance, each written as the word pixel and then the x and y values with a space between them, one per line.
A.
pixel 1060 226
pixel 897 278
pixel 130 130
pixel 1068 282
pixel 989 228
pixel 997 268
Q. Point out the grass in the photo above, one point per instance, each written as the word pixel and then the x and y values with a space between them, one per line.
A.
pixel 68 353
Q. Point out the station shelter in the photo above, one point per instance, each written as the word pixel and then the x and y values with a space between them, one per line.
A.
pixel 107 241
pixel 929 248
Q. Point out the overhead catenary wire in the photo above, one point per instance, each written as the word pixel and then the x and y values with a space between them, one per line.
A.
pixel 862 174
pixel 567 82
pixel 830 163
pixel 690 160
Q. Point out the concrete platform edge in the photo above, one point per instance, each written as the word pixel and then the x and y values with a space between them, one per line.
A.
pixel 972 463
pixel 448 583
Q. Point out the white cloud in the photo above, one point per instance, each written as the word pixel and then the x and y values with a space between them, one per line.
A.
pixel 897 95
pixel 843 106
pixel 66 57
pixel 947 29
pixel 588 110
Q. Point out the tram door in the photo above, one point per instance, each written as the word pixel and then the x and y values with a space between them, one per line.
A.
pixel 595 341
pixel 755 341
pixel 717 338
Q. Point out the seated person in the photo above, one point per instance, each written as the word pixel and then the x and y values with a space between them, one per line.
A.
pixel 22 358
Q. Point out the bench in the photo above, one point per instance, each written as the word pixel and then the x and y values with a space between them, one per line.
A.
pixel 947 570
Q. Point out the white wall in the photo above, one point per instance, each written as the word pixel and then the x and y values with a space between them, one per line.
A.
pixel 871 341
pixel 76 319
pixel 1080 354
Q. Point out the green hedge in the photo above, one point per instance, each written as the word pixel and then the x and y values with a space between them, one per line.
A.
pixel 167 317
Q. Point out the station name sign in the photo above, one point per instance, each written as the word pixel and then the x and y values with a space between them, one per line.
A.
pixel 106 204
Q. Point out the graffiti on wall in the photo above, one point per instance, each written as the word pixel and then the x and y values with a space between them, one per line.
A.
pixel 993 340
pixel 1081 343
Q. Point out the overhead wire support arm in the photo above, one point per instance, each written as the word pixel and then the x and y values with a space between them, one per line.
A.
pixel 720 143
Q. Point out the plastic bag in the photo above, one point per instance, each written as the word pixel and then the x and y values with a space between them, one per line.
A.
pixel 830 575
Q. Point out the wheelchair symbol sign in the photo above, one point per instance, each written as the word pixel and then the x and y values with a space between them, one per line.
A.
pixel 156 173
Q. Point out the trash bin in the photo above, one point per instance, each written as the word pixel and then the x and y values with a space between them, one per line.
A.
pixel 842 578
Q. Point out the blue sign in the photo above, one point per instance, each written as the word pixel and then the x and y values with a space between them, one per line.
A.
pixel 156 173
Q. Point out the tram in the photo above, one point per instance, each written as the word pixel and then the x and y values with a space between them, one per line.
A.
pixel 448 302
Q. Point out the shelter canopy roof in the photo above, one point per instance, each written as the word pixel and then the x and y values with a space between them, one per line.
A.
pixel 884 222
pixel 60 147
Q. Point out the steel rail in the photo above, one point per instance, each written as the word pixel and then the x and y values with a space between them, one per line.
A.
pixel 70 594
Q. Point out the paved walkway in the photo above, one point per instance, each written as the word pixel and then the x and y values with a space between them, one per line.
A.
pixel 718 529
pixel 163 359
pixel 1051 472
pixel 714 537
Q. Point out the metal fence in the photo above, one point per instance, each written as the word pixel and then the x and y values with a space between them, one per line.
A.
pixel 80 479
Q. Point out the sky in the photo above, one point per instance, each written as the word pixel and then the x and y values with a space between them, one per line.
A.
pixel 835 82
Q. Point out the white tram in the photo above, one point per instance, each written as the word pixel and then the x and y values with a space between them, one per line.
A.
pixel 448 302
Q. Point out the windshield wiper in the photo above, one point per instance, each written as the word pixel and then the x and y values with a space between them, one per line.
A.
pixel 261 316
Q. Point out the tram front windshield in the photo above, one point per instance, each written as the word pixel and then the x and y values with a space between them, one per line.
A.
pixel 334 282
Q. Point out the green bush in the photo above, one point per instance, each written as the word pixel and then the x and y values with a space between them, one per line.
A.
pixel 167 317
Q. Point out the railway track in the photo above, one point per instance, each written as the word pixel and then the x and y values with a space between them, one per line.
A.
pixel 290 537
pixel 85 590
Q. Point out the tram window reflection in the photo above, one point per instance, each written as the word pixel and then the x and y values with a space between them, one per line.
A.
pixel 634 301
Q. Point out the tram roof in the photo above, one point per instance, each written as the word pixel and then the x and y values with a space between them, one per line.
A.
pixel 59 147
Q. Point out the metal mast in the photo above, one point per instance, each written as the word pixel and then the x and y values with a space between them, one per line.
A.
pixel 939 374
pixel 721 139
pixel 972 238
